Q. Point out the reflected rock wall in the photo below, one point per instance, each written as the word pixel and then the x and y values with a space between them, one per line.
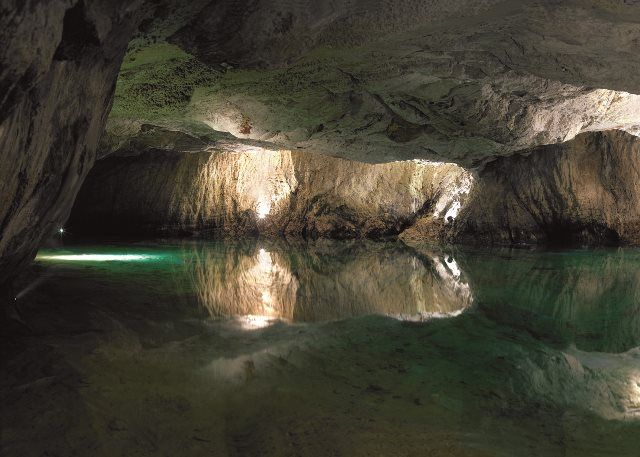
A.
pixel 243 280
pixel 326 281
pixel 587 298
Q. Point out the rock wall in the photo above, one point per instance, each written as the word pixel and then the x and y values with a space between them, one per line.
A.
pixel 586 191
pixel 262 192
pixel 581 192
pixel 454 81
pixel 59 62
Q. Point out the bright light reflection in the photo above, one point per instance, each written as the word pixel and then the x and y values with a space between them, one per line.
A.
pixel 255 321
pixel 453 266
pixel 97 257
pixel 634 398
pixel 263 209
pixel 426 316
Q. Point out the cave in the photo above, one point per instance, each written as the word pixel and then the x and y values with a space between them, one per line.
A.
pixel 320 228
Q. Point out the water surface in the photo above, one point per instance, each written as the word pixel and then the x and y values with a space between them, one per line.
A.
pixel 324 348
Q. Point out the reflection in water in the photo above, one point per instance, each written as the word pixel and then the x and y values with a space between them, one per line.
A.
pixel 623 371
pixel 589 298
pixel 244 281
pixel 325 281
pixel 545 363
pixel 96 257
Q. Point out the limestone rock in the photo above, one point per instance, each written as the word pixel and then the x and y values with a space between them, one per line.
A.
pixel 370 80
pixel 58 65
pixel 584 191
pixel 379 81
pixel 261 192
pixel 580 192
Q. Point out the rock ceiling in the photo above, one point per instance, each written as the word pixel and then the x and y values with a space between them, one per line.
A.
pixel 460 81
pixel 381 80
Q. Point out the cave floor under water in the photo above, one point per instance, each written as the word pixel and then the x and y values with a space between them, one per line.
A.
pixel 322 348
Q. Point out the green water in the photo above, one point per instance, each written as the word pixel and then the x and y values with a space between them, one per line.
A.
pixel 324 348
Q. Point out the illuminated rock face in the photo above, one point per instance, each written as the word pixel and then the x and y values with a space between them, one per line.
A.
pixel 266 192
pixel 581 192
pixel 377 81
pixel 585 191
pixel 454 81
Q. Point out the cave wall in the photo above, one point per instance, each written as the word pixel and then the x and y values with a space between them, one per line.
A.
pixel 582 192
pixel 261 192
pixel 59 62
pixel 377 81
pixel 585 191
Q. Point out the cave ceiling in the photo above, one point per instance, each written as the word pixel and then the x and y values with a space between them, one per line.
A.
pixel 379 80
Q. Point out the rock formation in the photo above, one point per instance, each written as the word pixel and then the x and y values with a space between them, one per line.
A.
pixel 262 192
pixel 59 61
pixel 452 81
pixel 584 191
pixel 580 192
pixel 379 81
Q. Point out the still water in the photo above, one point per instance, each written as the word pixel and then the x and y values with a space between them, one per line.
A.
pixel 323 348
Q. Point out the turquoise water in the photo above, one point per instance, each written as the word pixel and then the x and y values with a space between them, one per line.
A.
pixel 324 348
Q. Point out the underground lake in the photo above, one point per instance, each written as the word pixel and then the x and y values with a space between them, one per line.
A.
pixel 264 347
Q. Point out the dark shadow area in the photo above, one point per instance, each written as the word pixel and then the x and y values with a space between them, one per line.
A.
pixel 79 34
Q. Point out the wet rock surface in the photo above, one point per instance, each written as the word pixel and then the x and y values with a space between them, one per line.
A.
pixel 581 192
pixel 261 192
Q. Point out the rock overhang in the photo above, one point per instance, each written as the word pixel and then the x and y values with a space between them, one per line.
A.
pixel 384 81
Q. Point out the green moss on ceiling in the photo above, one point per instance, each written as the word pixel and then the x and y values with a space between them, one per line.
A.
pixel 158 81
